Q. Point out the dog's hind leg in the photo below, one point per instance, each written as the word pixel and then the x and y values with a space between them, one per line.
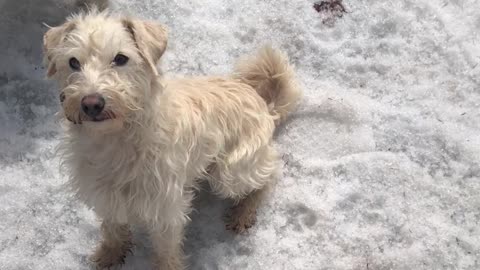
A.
pixel 246 181
pixel 115 245
pixel 243 214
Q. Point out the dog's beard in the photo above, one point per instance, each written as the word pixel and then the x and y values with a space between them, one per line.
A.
pixel 103 128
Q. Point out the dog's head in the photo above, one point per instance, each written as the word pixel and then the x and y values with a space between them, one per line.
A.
pixel 105 66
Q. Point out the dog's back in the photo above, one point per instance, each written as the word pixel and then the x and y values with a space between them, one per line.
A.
pixel 222 113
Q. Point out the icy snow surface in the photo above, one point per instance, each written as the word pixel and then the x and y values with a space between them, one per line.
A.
pixel 381 160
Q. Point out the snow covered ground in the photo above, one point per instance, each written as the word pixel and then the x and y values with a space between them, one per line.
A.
pixel 381 161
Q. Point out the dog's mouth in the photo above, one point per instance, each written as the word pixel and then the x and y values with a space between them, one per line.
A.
pixel 103 116
pixel 106 115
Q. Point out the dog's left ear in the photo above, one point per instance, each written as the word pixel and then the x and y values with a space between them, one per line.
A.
pixel 151 39
pixel 51 39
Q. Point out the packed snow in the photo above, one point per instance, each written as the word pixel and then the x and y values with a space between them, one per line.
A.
pixel 381 161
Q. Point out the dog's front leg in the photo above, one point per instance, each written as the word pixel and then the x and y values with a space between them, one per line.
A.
pixel 116 242
pixel 167 244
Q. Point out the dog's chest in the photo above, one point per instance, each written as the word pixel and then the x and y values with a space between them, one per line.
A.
pixel 123 183
pixel 105 177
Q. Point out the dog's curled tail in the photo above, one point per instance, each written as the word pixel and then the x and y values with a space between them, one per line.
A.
pixel 270 74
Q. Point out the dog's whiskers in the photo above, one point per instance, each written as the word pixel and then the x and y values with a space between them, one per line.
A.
pixel 110 114
pixel 79 118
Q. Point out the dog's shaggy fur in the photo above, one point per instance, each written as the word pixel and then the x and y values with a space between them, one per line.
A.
pixel 155 138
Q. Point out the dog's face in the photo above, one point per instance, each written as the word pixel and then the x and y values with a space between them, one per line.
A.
pixel 105 66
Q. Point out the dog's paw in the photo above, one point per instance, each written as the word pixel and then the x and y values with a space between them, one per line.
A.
pixel 107 257
pixel 240 219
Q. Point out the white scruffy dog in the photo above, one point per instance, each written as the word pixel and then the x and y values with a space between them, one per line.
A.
pixel 137 144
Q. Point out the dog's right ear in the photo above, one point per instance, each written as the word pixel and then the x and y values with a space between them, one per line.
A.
pixel 151 39
pixel 51 39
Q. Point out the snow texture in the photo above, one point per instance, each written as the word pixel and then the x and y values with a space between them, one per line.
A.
pixel 381 160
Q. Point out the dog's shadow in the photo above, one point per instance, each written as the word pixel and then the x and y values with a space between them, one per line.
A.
pixel 204 236
pixel 206 232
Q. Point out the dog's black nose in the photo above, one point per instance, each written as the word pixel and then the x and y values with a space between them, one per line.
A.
pixel 92 105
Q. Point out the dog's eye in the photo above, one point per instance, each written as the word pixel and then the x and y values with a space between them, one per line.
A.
pixel 120 59
pixel 62 97
pixel 74 63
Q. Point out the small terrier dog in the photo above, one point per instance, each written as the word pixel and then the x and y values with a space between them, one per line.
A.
pixel 136 144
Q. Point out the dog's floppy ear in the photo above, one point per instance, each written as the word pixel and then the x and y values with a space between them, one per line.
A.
pixel 51 39
pixel 151 39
